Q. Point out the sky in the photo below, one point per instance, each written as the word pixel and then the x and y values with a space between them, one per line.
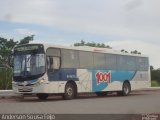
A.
pixel 122 24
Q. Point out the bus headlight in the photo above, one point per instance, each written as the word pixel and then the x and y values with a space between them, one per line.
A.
pixel 41 81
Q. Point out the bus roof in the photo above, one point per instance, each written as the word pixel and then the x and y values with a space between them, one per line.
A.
pixel 88 48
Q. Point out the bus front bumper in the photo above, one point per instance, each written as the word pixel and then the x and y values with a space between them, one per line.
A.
pixel 30 89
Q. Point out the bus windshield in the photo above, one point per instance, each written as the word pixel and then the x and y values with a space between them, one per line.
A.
pixel 29 64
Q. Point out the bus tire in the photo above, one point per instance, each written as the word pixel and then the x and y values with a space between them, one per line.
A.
pixel 70 91
pixel 126 89
pixel 42 96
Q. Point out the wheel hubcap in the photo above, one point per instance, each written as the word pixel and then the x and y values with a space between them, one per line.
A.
pixel 126 90
pixel 69 91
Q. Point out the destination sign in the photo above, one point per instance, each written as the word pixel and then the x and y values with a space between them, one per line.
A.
pixel 28 48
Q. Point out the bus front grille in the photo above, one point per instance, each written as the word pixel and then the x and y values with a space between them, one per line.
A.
pixel 25 90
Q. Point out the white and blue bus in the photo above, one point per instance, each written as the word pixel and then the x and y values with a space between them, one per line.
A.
pixel 44 69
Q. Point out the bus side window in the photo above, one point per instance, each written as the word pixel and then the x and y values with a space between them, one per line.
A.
pixel 56 63
pixel 53 63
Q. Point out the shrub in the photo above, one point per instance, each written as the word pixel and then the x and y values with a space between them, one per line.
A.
pixel 5 78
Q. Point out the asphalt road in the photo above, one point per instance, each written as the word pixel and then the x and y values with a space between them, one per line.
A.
pixel 137 102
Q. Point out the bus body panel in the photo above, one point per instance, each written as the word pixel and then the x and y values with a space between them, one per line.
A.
pixel 88 80
pixel 94 78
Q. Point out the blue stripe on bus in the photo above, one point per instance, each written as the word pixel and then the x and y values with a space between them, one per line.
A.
pixel 98 84
pixel 63 75
pixel 101 78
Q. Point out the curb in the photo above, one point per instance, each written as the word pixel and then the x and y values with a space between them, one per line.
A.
pixel 151 88
pixel 8 94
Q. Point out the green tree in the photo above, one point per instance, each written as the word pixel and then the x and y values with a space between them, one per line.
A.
pixel 135 52
pixel 155 76
pixel 92 44
pixel 6 47
pixel 124 51
pixel 151 68
pixel 82 43
pixel 27 39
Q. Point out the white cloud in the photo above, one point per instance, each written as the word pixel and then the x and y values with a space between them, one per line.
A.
pixel 24 31
pixel 90 16
pixel 133 4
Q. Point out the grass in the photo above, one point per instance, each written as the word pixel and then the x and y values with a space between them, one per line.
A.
pixel 5 79
pixel 155 83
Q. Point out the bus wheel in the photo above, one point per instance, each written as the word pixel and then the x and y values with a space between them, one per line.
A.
pixel 126 89
pixel 42 96
pixel 101 94
pixel 70 91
